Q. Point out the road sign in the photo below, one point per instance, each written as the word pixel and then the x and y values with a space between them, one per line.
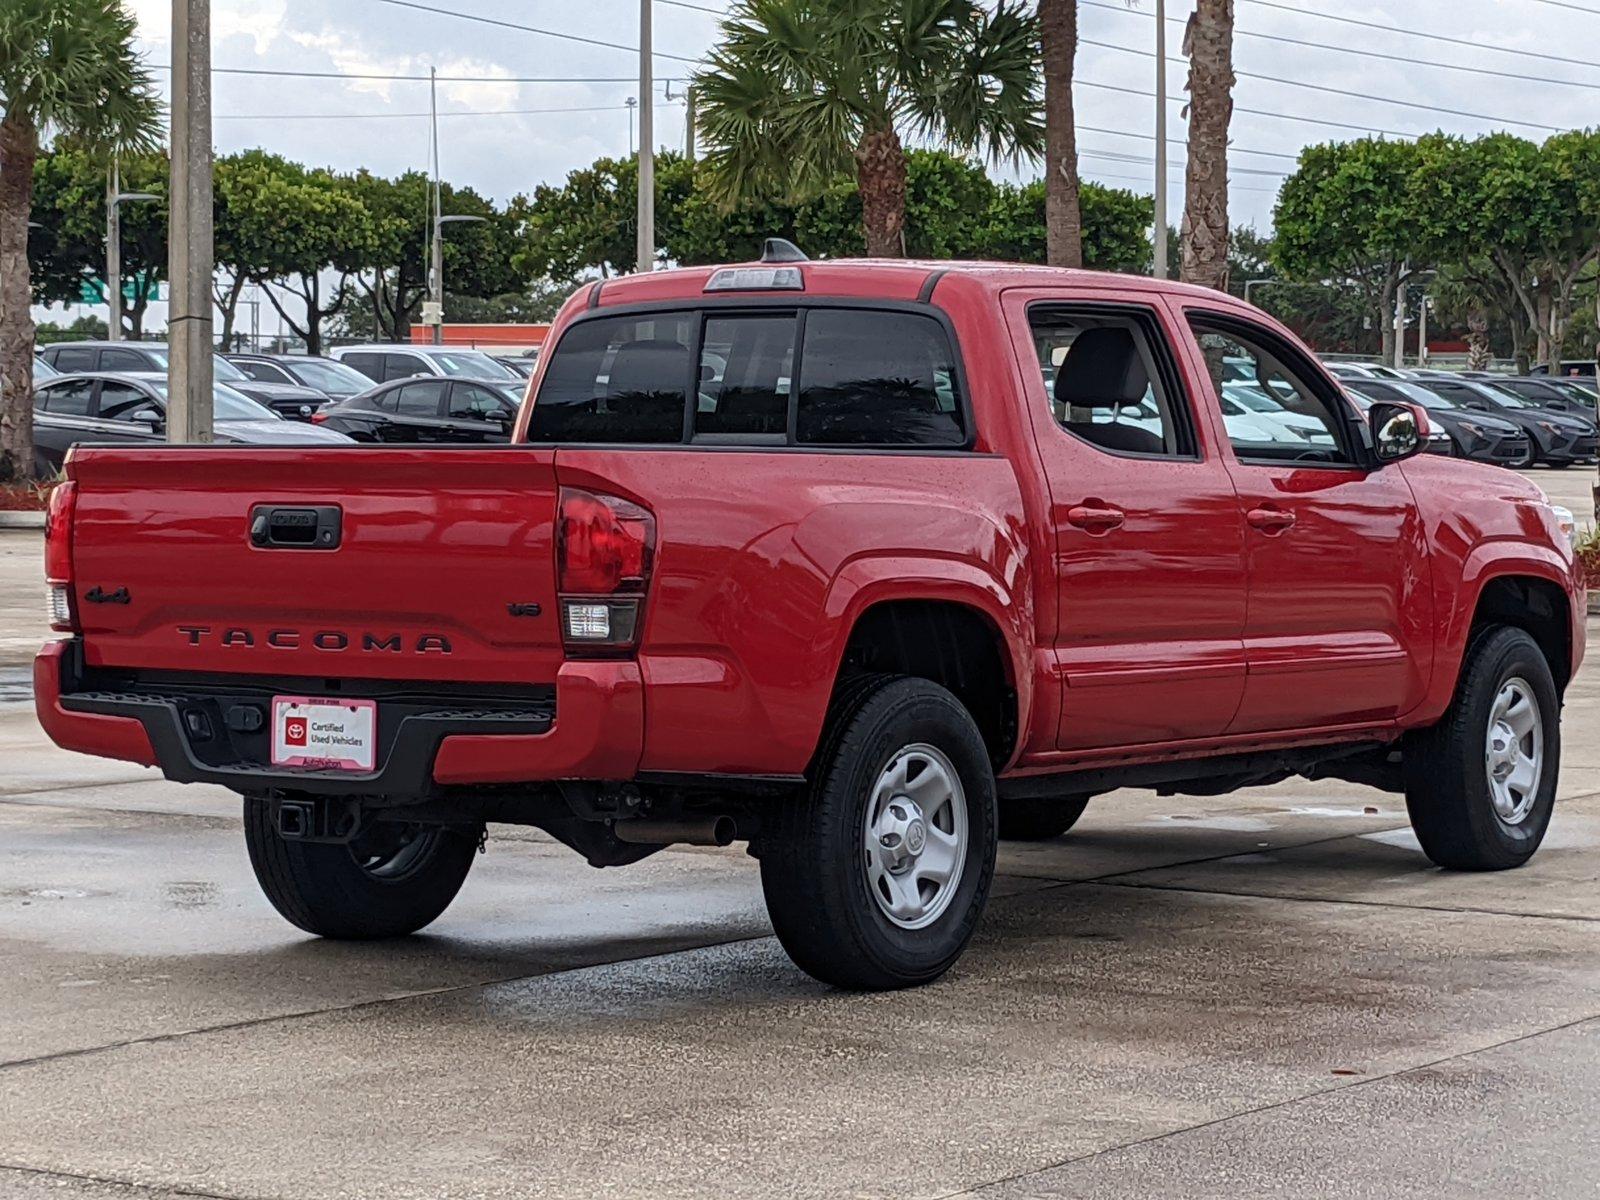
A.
pixel 92 290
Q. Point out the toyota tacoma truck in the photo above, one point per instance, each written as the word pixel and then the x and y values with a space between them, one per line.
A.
pixel 865 564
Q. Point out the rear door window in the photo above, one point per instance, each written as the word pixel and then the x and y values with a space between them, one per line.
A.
pixel 116 359
pixel 70 399
pixel 370 365
pixel 877 379
pixel 403 366
pixel 74 358
pixel 420 399
pixel 617 379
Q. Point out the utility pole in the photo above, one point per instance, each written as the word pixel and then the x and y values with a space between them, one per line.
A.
pixel 1160 233
pixel 1422 331
pixel 1400 319
pixel 646 253
pixel 189 267
pixel 688 116
pixel 436 256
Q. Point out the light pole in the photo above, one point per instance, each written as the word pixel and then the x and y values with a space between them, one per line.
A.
pixel 646 252
pixel 439 222
pixel 1160 232
pixel 630 103
pixel 114 198
pixel 1261 282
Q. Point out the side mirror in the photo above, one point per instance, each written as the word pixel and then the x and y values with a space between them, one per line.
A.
pixel 150 417
pixel 1398 430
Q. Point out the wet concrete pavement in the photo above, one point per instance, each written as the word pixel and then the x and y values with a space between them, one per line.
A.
pixel 1270 993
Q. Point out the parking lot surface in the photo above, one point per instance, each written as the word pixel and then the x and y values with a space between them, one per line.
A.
pixel 1269 993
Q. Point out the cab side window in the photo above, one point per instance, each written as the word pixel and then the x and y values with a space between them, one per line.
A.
pixel 1105 385
pixel 1272 410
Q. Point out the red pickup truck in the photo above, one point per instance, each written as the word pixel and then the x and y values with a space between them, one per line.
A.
pixel 868 564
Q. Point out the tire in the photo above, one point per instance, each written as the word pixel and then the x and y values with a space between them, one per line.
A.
pixel 890 743
pixel 1040 818
pixel 410 875
pixel 1467 811
pixel 1560 465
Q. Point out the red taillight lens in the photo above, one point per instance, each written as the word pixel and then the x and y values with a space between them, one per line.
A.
pixel 58 556
pixel 318 417
pixel 605 548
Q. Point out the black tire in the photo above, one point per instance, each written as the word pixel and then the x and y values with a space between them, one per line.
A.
pixel 325 888
pixel 1558 465
pixel 813 864
pixel 1448 777
pixel 1040 818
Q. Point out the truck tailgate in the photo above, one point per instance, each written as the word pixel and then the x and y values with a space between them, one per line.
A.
pixel 444 567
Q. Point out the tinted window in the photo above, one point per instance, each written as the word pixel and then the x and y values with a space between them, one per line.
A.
pixel 116 359
pixel 1270 409
pixel 419 399
pixel 74 358
pixel 746 368
pixel 616 379
pixel 119 401
pixel 264 372
pixel 403 366
pixel 876 379
pixel 370 365
pixel 70 399
pixel 472 364
pixel 1101 377
pixel 470 402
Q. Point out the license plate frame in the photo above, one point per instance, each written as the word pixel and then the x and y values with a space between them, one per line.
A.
pixel 322 733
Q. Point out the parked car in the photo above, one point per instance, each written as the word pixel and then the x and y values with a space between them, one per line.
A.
pixel 287 400
pixel 1439 441
pixel 869 599
pixel 1581 368
pixel 428 411
pixel 1475 434
pixel 383 363
pixel 130 408
pixel 1558 439
pixel 42 370
pixel 520 363
pixel 329 377
pixel 1547 392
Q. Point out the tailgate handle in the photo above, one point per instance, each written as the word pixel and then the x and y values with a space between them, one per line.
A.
pixel 296 527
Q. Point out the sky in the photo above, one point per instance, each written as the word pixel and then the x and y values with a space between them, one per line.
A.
pixel 503 138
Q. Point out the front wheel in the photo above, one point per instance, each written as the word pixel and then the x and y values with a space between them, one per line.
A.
pixel 876 876
pixel 391 880
pixel 1481 785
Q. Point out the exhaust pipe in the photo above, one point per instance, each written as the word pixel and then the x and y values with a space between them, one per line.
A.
pixel 692 831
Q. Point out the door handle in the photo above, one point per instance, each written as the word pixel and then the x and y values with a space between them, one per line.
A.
pixel 1096 517
pixel 1270 520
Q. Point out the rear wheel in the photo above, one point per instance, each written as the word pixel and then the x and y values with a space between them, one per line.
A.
pixel 875 877
pixel 1040 818
pixel 392 879
pixel 1481 785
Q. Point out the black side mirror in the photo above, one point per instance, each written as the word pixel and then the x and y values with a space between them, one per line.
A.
pixel 1398 430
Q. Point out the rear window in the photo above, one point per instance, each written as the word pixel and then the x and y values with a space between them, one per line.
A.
pixel 816 377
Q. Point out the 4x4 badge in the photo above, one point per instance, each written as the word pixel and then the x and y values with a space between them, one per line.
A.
pixel 96 595
pixel 528 609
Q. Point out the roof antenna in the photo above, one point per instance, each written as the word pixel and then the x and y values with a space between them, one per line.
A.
pixel 781 250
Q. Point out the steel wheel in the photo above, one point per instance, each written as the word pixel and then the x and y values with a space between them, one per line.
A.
pixel 1513 751
pixel 915 836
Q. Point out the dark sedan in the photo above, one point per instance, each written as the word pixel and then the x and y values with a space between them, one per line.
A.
pixel 130 408
pixel 331 378
pixel 1546 393
pixel 428 411
pixel 1473 435
pixel 287 400
pixel 1558 439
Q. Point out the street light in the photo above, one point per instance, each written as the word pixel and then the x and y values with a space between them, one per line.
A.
pixel 439 222
pixel 1262 282
pixel 115 198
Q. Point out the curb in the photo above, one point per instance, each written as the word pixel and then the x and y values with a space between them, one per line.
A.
pixel 21 520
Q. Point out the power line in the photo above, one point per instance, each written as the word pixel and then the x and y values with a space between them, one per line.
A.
pixel 410 78
pixel 1593 12
pixel 1147 137
pixel 715 12
pixel 1320 87
pixel 483 112
pixel 1521 77
pixel 1255 112
pixel 569 37
pixel 1431 37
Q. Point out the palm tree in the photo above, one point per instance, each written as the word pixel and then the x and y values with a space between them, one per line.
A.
pixel 801 92
pixel 1063 219
pixel 1209 45
pixel 66 66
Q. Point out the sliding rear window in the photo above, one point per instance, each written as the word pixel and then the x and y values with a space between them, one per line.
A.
pixel 823 376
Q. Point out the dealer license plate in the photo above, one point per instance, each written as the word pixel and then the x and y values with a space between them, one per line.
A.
pixel 338 735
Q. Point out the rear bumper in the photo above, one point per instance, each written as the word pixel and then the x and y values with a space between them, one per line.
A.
pixel 593 729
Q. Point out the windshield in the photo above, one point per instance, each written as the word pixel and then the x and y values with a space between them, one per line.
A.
pixel 1509 399
pixel 472 364
pixel 1418 394
pixel 332 377
pixel 229 405
pixel 221 368
pixel 1252 397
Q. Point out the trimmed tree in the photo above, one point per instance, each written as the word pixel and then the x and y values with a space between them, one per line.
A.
pixel 1209 45
pixel 1063 216
pixel 66 67
pixel 801 92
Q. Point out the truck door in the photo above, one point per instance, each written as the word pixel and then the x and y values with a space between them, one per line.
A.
pixel 1339 612
pixel 1149 562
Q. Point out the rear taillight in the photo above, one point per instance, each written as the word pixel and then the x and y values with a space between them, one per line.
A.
pixel 58 556
pixel 605 548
